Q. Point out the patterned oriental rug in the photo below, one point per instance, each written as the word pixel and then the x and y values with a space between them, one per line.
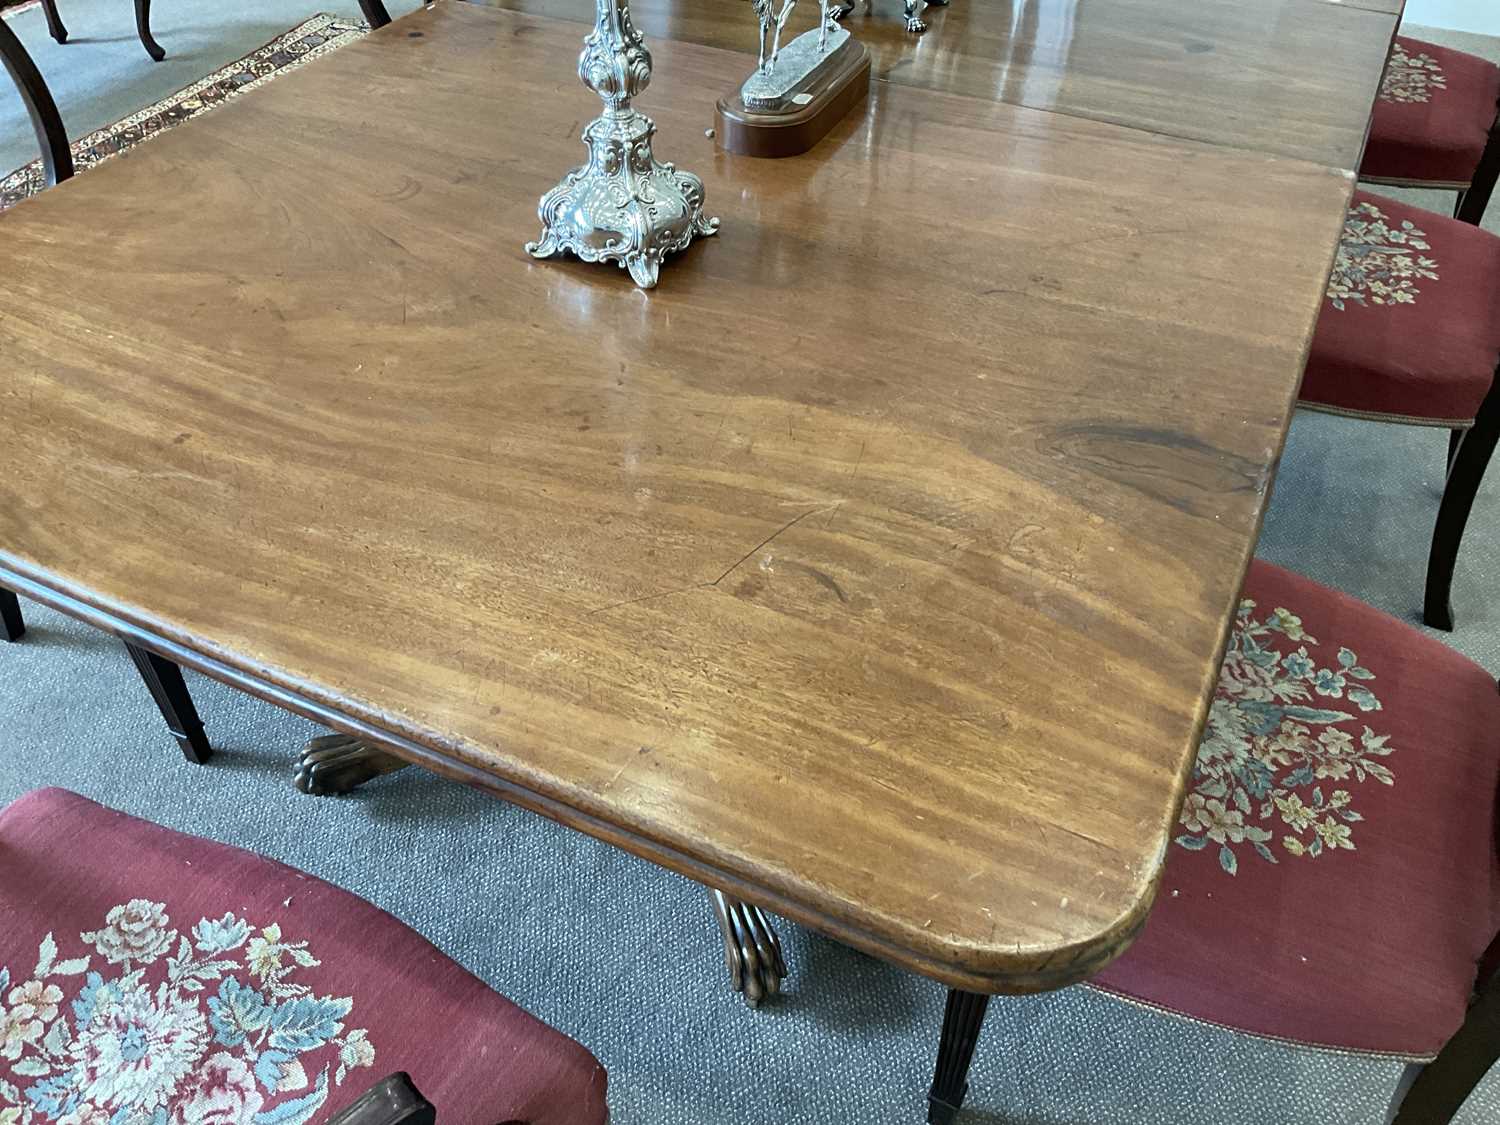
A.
pixel 303 43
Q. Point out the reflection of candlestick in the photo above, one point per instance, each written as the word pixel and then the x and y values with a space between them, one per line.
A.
pixel 622 206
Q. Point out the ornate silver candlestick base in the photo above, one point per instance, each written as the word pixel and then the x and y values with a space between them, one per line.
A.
pixel 624 205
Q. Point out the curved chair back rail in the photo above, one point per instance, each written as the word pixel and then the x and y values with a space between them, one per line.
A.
pixel 57 159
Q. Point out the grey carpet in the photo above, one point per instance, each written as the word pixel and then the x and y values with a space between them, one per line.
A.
pixel 622 955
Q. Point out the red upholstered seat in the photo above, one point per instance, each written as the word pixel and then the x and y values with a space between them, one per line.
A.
pixel 1333 880
pixel 150 976
pixel 1433 115
pixel 1411 324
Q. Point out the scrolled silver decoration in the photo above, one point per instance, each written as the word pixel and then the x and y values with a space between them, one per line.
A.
pixel 624 205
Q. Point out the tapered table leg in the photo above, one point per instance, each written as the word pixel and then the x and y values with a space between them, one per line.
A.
pixel 752 951
pixel 962 1019
pixel 11 624
pixel 164 680
pixel 143 29
pixel 341 763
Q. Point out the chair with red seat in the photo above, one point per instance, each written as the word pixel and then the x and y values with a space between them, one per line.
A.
pixel 1410 333
pixel 1332 880
pixel 154 975
pixel 1437 125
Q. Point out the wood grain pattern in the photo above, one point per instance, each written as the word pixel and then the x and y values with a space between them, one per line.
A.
pixel 1294 77
pixel 874 567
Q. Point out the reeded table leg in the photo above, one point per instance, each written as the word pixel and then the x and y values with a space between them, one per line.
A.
pixel 10 616
pixel 752 951
pixel 143 29
pixel 164 680
pixel 341 763
pixel 962 1019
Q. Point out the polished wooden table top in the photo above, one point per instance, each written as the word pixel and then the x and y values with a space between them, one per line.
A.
pixel 874 568
pixel 1294 77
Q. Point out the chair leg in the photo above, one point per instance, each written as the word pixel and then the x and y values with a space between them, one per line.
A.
pixel 1440 1089
pixel 51 136
pixel 164 681
pixel 1455 439
pixel 10 616
pixel 1471 203
pixel 1464 478
pixel 1404 1084
pixel 962 1019
pixel 375 13
pixel 55 26
pixel 143 29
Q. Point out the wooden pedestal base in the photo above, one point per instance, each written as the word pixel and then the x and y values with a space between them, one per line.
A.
pixel 788 132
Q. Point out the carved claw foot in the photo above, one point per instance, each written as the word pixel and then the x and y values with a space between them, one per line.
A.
pixel 340 763
pixel 837 11
pixel 752 951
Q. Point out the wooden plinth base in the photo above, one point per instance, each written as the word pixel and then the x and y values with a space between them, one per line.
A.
pixel 786 133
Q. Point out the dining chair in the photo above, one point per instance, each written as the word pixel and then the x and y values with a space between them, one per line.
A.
pixel 1409 333
pixel 157 976
pixel 1437 125
pixel 1332 879
pixel 142 27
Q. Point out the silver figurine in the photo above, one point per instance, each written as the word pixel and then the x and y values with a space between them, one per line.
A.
pixel 624 205
pixel 781 72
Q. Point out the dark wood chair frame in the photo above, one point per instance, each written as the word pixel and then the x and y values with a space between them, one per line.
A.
pixel 142 27
pixel 1476 197
pixel 1426 1094
pixel 46 121
pixel 162 677
pixel 395 1101
pixel 1469 452
pixel 375 13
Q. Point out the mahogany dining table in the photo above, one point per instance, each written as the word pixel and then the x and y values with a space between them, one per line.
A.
pixel 874 569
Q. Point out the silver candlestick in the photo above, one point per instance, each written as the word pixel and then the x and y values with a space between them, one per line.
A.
pixel 623 205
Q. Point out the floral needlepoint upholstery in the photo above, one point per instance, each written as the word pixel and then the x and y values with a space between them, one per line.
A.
pixel 1432 116
pixel 1410 327
pixel 152 978
pixel 1345 787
